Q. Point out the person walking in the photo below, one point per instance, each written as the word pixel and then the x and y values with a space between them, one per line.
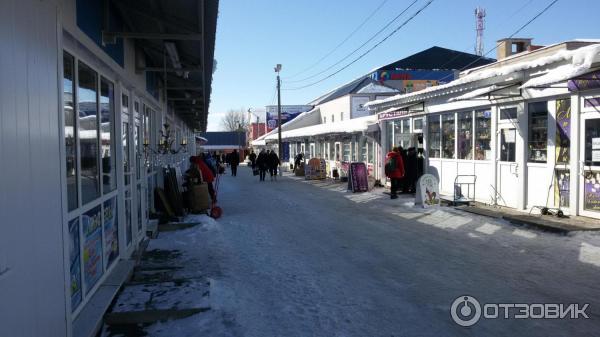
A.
pixel 298 160
pixel 252 157
pixel 234 161
pixel 394 169
pixel 261 162
pixel 273 164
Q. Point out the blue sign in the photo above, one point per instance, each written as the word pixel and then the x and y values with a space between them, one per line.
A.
pixel 286 151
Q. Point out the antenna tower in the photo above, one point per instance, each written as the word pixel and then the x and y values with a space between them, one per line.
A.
pixel 480 19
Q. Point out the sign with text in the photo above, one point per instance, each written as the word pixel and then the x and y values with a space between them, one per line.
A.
pixel 358 177
pixel 92 247
pixel 428 191
pixel 111 231
pixel 75 261
pixel 358 107
pixel 392 114
pixel 316 169
pixel 288 112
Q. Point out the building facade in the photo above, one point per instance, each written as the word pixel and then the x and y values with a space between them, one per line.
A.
pixel 83 112
pixel 524 126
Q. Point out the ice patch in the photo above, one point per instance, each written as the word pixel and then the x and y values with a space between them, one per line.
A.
pixel 488 228
pixel 589 254
pixel 524 234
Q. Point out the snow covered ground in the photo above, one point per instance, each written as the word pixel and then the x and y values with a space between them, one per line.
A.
pixel 296 258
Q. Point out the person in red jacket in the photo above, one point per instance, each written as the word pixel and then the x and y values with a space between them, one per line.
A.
pixel 207 175
pixel 394 169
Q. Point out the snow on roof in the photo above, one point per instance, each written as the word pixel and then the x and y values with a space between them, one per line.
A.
pixel 581 58
pixel 373 88
pixel 348 126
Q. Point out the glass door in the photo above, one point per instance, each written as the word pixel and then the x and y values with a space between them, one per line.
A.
pixel 508 175
pixel 138 169
pixel 126 137
pixel 590 166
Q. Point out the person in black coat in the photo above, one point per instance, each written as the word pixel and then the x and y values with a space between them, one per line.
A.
pixel 411 170
pixel 273 164
pixel 252 157
pixel 262 163
pixel 234 161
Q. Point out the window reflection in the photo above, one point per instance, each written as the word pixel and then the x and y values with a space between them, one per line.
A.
pixel 70 141
pixel 88 133
pixel 107 117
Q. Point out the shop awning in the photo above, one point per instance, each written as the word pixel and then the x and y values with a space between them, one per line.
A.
pixel 490 92
pixel 344 127
pixel 558 75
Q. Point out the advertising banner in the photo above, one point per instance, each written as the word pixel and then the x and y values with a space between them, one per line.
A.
pixel 358 177
pixel 563 130
pixel 111 231
pixel 585 82
pixel 75 263
pixel 92 247
pixel 316 169
pixel 288 112
pixel 591 191
pixel 358 106
pixel 428 191
pixel 285 151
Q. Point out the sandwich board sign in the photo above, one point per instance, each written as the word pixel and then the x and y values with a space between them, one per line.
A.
pixel 428 191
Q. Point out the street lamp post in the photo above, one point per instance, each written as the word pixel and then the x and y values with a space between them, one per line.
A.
pixel 280 147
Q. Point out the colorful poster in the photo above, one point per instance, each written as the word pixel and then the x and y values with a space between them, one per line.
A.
pixel 92 247
pixel 585 82
pixel 75 263
pixel 562 188
pixel 111 231
pixel 563 130
pixel 428 193
pixel 288 112
pixel 591 191
pixel 315 169
pixel 358 177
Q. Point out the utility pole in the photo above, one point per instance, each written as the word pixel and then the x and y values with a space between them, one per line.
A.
pixel 279 146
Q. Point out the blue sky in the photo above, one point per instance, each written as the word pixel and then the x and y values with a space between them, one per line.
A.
pixel 253 36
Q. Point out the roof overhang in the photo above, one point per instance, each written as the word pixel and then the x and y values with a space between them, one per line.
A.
pixel 492 92
pixel 175 40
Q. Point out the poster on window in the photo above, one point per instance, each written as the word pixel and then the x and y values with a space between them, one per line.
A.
pixel 563 130
pixel 591 191
pixel 111 231
pixel 92 247
pixel 75 263
pixel 561 188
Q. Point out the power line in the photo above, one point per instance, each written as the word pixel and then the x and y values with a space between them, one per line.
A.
pixel 360 47
pixel 369 50
pixel 341 43
pixel 511 36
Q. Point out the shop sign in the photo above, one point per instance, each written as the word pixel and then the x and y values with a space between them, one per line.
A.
pixel 111 231
pixel 428 193
pixel 316 169
pixel 92 247
pixel 358 106
pixel 585 82
pixel 392 114
pixel 592 191
pixel 357 178
pixel 75 264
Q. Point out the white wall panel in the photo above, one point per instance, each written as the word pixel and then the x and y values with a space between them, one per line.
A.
pixel 32 284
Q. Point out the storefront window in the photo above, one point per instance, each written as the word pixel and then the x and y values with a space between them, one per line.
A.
pixel 88 132
pixel 417 125
pixel 347 151
pixel 448 136
pixel 465 135
pixel 107 113
pixel 70 130
pixel 508 114
pixel 371 152
pixel 563 130
pixel 483 149
pixel 507 145
pixel 538 132
pixel 397 133
pixel 331 151
pixel 363 149
pixel 338 151
pixel 147 126
pixel 434 136
pixel 125 139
